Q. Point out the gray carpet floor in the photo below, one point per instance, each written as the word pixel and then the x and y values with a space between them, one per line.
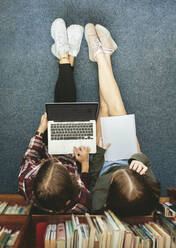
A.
pixel 144 66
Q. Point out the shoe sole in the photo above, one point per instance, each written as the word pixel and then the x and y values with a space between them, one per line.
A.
pixel 75 29
pixel 104 30
pixel 87 39
pixel 54 26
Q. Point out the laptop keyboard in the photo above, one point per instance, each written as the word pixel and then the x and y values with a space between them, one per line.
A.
pixel 72 131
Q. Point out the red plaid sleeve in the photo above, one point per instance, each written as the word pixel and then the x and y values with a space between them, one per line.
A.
pixel 30 166
pixel 83 199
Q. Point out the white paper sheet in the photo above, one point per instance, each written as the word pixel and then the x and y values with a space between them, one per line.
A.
pixel 120 131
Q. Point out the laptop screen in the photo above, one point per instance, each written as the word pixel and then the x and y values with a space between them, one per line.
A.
pixel 72 111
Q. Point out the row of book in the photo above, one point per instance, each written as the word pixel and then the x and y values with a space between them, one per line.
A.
pixel 8 237
pixel 6 208
pixel 107 231
pixel 168 209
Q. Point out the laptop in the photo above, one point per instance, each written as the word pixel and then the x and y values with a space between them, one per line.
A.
pixel 71 124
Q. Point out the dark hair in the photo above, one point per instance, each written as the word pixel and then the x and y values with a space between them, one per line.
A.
pixel 53 186
pixel 132 194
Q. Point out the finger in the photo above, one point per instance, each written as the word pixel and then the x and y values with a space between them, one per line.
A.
pixel 132 164
pixel 139 168
pixel 107 146
pixel 75 150
pixel 87 148
pixel 143 171
pixel 84 148
pixel 80 148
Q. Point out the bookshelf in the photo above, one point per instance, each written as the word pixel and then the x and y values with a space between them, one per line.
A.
pixel 20 223
pixel 27 223
pixel 16 222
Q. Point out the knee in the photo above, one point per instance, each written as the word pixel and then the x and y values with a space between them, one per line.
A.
pixel 115 110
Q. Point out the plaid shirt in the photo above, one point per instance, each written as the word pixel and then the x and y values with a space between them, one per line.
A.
pixel 36 152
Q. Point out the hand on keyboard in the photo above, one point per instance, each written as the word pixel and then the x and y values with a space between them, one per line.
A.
pixel 82 155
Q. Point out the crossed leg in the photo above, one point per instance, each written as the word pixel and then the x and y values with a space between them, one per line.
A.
pixel 111 103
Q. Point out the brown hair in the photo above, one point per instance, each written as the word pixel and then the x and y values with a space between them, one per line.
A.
pixel 132 194
pixel 53 186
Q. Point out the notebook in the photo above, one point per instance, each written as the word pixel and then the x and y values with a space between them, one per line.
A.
pixel 71 124
pixel 120 131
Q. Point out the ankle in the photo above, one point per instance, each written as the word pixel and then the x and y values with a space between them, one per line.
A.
pixel 98 54
pixel 64 58
pixel 64 61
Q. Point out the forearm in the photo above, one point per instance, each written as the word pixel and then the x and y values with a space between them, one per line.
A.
pixel 96 166
pixel 85 167
pixel 85 177
pixel 36 149
pixel 97 162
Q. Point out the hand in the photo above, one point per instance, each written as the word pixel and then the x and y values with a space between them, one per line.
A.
pixel 100 144
pixel 82 155
pixel 138 166
pixel 43 123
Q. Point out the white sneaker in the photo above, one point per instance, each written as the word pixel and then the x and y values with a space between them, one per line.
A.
pixel 75 34
pixel 59 34
pixel 108 44
pixel 94 44
pixel 54 52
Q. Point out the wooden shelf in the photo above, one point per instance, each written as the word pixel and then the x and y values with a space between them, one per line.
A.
pixel 16 222
pixel 20 223
pixel 27 224
pixel 13 199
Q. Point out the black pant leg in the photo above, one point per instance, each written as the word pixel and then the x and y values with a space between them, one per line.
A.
pixel 65 90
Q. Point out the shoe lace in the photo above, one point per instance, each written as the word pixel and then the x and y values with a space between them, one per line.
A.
pixel 96 43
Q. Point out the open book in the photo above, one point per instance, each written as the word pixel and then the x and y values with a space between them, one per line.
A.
pixel 120 131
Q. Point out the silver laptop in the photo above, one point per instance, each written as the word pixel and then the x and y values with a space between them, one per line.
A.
pixel 71 124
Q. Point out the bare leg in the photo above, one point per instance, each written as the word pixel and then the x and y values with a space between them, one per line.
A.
pixel 103 111
pixel 108 86
pixel 109 91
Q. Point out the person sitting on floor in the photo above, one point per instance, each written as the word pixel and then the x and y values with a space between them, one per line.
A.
pixel 53 183
pixel 127 187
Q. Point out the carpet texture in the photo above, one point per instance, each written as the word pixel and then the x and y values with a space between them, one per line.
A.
pixel 144 66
